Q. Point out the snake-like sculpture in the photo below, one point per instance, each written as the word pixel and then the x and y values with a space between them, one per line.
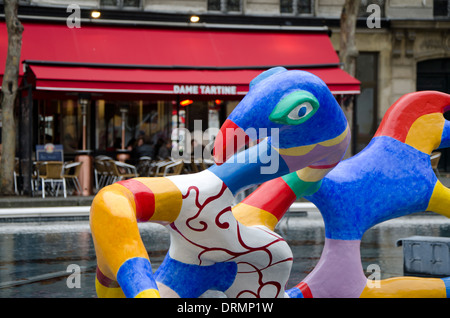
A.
pixel 391 177
pixel 303 129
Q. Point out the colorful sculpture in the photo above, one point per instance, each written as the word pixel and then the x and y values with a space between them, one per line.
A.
pixel 390 178
pixel 209 248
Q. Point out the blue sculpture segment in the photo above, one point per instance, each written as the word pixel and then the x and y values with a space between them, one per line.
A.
pixel 391 177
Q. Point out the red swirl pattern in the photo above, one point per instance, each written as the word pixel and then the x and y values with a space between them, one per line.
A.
pixel 239 256
pixel 201 206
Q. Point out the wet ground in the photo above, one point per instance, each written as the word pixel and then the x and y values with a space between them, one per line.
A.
pixel 35 258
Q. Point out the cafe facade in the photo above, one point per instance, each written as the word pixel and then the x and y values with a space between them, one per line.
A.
pixel 97 88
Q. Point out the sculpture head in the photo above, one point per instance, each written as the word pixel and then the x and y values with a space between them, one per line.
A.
pixel 303 123
pixel 296 105
pixel 417 119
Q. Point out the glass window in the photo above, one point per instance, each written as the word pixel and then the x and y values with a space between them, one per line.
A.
pixel 59 122
pixel 365 3
pixel 286 6
pixel 295 6
pixel 441 8
pixel 131 3
pixel 224 5
pixel 366 106
pixel 121 3
pixel 213 5
pixel 234 5
pixel 109 3
pixel 304 6
pixel 119 125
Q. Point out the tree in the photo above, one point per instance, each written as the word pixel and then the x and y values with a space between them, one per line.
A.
pixel 10 88
pixel 347 48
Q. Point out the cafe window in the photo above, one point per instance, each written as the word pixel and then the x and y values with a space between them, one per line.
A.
pixel 119 124
pixel 114 125
pixel 201 119
pixel 59 122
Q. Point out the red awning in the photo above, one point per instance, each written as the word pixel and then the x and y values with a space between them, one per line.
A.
pixel 201 61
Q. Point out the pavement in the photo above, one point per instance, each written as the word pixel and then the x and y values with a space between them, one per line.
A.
pixel 21 201
pixel 22 208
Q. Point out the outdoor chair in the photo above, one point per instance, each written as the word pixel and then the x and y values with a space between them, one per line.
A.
pixel 51 172
pixel 435 157
pixel 71 172
pixel 121 170
pixel 193 165
pixel 143 166
pixel 157 168
pixel 172 169
pixel 102 173
pixel 16 173
pixel 197 165
pixel 34 177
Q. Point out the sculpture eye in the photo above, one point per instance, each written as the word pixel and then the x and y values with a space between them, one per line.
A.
pixel 300 111
pixel 295 108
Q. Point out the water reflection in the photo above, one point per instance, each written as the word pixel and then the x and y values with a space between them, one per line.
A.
pixel 30 250
pixel 41 250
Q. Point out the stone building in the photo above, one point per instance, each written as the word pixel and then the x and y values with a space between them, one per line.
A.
pixel 404 45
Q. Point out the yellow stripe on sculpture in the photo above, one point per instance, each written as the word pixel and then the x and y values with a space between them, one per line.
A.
pixel 148 293
pixel 440 200
pixel 108 292
pixel 303 150
pixel 433 124
pixel 405 287
pixel 252 216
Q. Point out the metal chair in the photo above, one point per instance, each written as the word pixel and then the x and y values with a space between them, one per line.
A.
pixel 51 172
pixel 157 168
pixel 102 173
pixel 121 170
pixel 172 169
pixel 34 177
pixel 16 173
pixel 195 165
pixel 71 172
pixel 143 166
